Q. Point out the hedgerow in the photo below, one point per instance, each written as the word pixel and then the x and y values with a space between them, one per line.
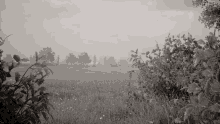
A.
pixel 24 100
pixel 185 73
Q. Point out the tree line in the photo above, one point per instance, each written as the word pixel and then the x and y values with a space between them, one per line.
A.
pixel 83 59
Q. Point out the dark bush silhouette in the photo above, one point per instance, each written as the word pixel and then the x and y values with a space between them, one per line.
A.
pixel 71 58
pixel 170 91
pixel 24 100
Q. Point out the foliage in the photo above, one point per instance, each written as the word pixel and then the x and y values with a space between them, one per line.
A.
pixel 123 62
pixel 110 61
pixel 2 41
pixel 101 61
pixel 58 60
pixel 185 72
pixel 71 58
pixel 24 99
pixel 94 60
pixel 84 59
pixel 49 55
pixel 210 14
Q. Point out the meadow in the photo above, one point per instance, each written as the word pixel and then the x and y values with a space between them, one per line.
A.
pixel 96 95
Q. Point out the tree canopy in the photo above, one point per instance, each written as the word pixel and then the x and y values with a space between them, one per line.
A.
pixel 49 54
pixel 71 58
pixel 210 14
pixel 84 58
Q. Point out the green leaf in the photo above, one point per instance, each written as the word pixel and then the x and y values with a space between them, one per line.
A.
pixel 177 120
pixel 207 88
pixel 44 115
pixel 194 100
pixel 19 95
pixel 44 64
pixel 33 118
pixel 207 73
pixel 42 89
pixel 196 61
pixel 174 110
pixel 31 88
pixel 147 53
pixel 215 107
pixel 212 61
pixel 184 88
pixel 17 76
pixel 136 51
pixel 35 99
pixel 24 92
pixel 203 100
pixel 24 82
pixel 192 87
pixel 17 58
pixel 209 53
pixel 153 51
pixel 40 81
pixel 50 70
pixel 201 42
pixel 205 64
pixel 188 112
pixel 36 54
pixel 178 101
pixel 215 87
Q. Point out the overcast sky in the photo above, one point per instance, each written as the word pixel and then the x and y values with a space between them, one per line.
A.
pixel 99 27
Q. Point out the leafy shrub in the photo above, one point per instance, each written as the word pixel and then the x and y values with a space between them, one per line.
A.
pixel 186 71
pixel 24 100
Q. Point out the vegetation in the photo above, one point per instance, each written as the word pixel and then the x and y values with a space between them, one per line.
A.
pixel 84 59
pixel 179 83
pixel 184 75
pixel 49 55
pixel 94 61
pixel 210 15
pixel 24 100
pixel 72 59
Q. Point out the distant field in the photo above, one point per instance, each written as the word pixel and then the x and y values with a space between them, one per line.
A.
pixel 91 73
pixel 94 95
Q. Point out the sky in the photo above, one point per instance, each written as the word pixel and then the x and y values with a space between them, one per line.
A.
pixel 99 27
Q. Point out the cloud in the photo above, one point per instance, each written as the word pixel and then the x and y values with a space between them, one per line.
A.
pixel 72 24
pixel 181 5
pixel 99 21
pixel 59 3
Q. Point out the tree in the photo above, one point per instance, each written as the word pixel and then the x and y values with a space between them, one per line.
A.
pixel 84 59
pixel 210 14
pixel 24 90
pixel 58 60
pixel 111 61
pixel 71 58
pixel 105 61
pixel 123 62
pixel 94 60
pixel 101 61
pixel 49 54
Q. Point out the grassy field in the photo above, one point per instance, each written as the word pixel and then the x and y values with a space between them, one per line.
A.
pixel 96 96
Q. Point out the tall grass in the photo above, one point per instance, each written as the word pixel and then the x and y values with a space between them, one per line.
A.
pixel 97 97
pixel 100 101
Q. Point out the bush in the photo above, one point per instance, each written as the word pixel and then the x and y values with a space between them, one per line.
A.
pixel 24 100
pixel 186 71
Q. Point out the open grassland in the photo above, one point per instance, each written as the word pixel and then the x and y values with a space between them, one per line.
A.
pixel 95 96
